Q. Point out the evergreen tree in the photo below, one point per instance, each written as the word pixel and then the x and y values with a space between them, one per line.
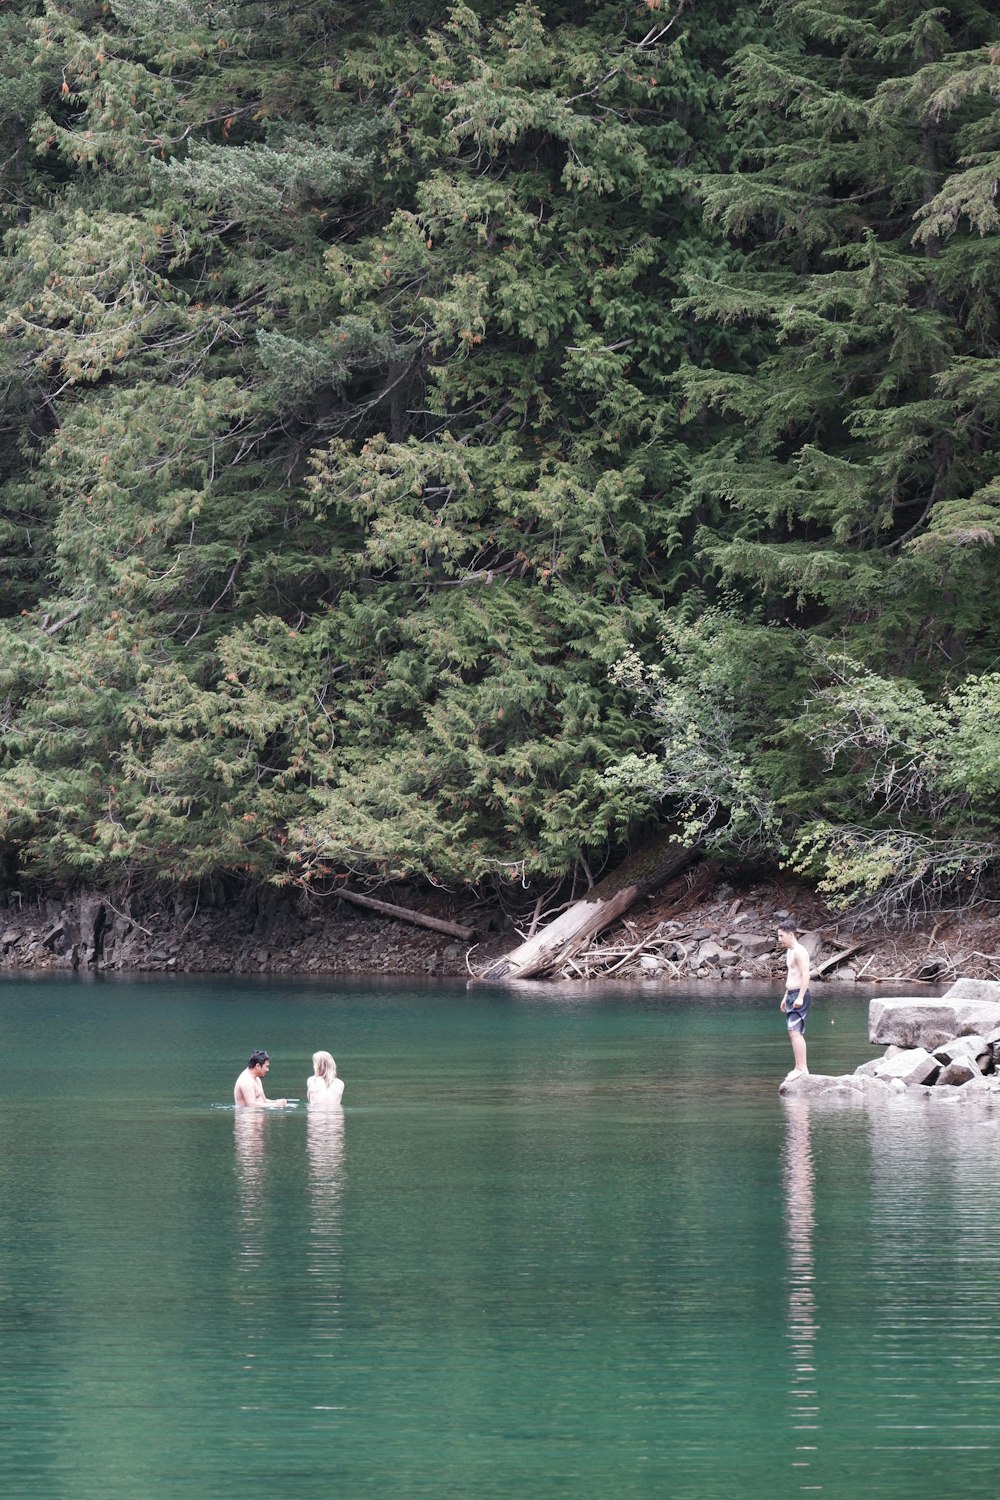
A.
pixel 440 261
pixel 848 445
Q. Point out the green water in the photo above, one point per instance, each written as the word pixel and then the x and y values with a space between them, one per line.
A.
pixel 560 1244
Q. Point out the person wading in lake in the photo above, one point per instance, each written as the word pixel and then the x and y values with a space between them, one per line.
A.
pixel 324 1087
pixel 795 1001
pixel 249 1089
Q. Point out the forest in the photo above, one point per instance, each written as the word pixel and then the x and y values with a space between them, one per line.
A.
pixel 445 443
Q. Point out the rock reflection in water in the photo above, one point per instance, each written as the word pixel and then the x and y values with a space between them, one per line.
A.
pixel 800 1225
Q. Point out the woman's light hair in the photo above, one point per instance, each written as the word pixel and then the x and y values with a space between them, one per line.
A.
pixel 324 1065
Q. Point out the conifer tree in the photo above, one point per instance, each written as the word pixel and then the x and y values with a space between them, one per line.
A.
pixel 846 448
pixel 356 341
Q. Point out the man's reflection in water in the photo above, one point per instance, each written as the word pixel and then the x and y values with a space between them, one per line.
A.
pixel 250 1133
pixel 800 1220
pixel 325 1145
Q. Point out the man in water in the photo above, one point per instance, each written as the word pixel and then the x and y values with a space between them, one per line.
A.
pixel 249 1088
pixel 795 1002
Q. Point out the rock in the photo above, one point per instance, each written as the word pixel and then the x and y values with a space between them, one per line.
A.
pixel 959 1072
pixel 812 942
pixel 980 1086
pixel 914 1065
pixel 711 953
pixel 753 944
pixel 914 1022
pixel 53 938
pixel 700 934
pixel 961 1047
pixel 985 990
pixel 844 975
pixel 649 963
pixel 870 1068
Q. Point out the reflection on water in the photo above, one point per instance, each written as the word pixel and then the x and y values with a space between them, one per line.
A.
pixel 800 1226
pixel 250 1132
pixel 325 1145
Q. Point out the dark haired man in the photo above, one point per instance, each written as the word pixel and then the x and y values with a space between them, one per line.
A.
pixel 795 1001
pixel 249 1089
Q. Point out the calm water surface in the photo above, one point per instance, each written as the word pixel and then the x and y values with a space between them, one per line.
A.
pixel 560 1244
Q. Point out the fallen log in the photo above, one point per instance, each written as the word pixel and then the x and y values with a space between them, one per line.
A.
pixel 836 959
pixel 406 914
pixel 557 943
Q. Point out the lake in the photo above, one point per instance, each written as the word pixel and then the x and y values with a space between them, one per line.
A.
pixel 563 1242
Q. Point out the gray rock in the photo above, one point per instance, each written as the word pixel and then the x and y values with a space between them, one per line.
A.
pixel 985 990
pixel 915 1065
pixel 983 1086
pixel 810 1084
pixel 913 1022
pixel 649 963
pixel 960 1047
pixel 711 953
pixel 963 1070
pixel 812 942
pixel 844 975
pixel 870 1068
pixel 752 944
pixel 847 1086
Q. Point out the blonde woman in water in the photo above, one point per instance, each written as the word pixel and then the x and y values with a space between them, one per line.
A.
pixel 324 1087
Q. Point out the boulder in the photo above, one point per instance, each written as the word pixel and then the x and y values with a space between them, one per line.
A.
pixel 985 990
pixel 710 952
pixel 753 944
pixel 983 1086
pixel 913 1022
pixel 963 1070
pixel 830 1086
pixel 961 1047
pixel 912 1066
pixel 812 942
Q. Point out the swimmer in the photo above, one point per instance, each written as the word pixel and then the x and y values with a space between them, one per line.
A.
pixel 249 1089
pixel 324 1087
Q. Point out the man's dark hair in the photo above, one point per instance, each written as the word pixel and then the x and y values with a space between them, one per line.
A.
pixel 258 1059
pixel 789 925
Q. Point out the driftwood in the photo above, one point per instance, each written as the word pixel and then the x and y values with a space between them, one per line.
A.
pixel 836 959
pixel 406 914
pixel 557 943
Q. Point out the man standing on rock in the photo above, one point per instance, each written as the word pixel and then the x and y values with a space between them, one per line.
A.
pixel 795 1001
pixel 249 1089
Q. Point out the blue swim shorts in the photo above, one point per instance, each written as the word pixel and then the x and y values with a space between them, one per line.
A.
pixel 797 1018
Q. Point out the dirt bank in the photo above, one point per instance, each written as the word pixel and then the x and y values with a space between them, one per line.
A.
pixel 710 924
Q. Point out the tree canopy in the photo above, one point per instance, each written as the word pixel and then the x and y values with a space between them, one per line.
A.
pixel 423 425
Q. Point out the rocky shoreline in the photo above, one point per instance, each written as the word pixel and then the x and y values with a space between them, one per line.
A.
pixel 948 1048
pixel 706 925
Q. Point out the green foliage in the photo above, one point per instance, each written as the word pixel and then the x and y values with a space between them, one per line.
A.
pixel 356 340
pixel 374 380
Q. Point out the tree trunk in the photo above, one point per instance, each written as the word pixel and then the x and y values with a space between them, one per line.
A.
pixel 407 914
pixel 549 949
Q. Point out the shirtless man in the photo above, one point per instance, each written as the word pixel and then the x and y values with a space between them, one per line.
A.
pixel 795 1002
pixel 249 1089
